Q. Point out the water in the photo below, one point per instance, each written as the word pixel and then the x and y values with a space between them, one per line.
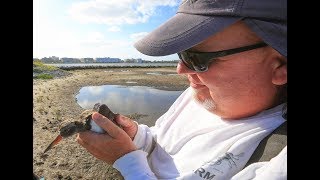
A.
pixel 128 100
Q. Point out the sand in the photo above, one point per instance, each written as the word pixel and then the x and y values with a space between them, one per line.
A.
pixel 54 104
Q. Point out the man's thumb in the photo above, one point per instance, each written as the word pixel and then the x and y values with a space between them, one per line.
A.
pixel 128 125
pixel 124 121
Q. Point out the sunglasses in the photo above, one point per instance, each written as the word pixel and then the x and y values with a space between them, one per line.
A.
pixel 199 61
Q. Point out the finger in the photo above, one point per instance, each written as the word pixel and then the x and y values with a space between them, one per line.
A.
pixel 81 141
pixel 128 125
pixel 124 121
pixel 91 149
pixel 92 139
pixel 112 129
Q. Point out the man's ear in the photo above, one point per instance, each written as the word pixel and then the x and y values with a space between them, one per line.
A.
pixel 279 76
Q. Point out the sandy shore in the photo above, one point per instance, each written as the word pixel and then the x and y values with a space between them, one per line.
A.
pixel 55 104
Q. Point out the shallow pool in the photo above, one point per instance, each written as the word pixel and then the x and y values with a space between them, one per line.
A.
pixel 148 102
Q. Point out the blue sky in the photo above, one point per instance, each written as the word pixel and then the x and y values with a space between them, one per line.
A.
pixel 97 28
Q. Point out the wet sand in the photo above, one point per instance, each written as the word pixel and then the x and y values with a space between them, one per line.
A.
pixel 54 104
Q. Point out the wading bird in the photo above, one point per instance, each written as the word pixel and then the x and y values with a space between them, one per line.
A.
pixel 85 123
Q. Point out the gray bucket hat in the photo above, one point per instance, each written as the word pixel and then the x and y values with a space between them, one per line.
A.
pixel 196 20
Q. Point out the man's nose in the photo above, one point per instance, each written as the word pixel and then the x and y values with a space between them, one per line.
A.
pixel 183 69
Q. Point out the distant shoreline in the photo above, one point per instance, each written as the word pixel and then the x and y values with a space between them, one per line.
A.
pixel 74 66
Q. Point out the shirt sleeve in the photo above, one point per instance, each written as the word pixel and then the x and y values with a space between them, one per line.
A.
pixel 134 166
pixel 146 137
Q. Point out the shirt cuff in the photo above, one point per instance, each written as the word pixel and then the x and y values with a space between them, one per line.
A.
pixel 134 165
pixel 139 139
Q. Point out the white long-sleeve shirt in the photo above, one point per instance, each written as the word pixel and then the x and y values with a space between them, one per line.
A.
pixel 189 142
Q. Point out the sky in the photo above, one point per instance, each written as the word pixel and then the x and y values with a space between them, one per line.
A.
pixel 97 28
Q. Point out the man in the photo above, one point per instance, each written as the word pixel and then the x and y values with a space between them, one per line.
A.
pixel 234 54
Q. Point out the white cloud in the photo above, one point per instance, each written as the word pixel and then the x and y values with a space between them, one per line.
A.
pixel 95 90
pixel 114 29
pixel 117 12
pixel 135 37
pixel 94 37
pixel 36 39
pixel 53 41
pixel 56 35
pixel 98 40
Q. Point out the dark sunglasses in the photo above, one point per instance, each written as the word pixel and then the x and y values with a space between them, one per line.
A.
pixel 199 61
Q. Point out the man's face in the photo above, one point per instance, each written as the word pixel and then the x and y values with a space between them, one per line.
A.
pixel 237 85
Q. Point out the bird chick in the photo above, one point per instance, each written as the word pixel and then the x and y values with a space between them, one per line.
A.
pixel 85 124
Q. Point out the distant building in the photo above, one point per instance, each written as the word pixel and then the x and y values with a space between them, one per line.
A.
pixel 51 59
pixel 132 60
pixel 108 60
pixel 70 60
pixel 87 60
pixel 138 60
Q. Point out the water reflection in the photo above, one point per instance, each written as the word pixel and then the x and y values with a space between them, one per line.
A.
pixel 154 73
pixel 129 99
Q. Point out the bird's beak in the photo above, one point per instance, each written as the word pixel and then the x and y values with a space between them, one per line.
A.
pixel 54 142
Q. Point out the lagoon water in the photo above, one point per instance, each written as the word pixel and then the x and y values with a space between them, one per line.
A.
pixel 129 100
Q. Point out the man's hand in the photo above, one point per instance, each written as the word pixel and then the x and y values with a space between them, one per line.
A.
pixel 109 146
pixel 127 124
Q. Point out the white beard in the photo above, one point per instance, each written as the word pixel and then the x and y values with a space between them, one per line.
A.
pixel 207 103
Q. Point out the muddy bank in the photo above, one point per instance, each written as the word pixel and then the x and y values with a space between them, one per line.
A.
pixel 55 104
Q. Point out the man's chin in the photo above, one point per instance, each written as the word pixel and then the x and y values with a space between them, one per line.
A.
pixel 203 98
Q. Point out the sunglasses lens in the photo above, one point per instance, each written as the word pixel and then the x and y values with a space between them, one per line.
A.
pixel 193 62
pixel 200 67
pixel 186 60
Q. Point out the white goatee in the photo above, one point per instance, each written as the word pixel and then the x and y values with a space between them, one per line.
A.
pixel 205 102
pixel 208 104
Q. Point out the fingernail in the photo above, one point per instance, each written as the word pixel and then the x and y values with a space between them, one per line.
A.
pixel 96 116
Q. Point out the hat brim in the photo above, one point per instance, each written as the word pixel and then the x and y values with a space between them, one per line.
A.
pixel 181 32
